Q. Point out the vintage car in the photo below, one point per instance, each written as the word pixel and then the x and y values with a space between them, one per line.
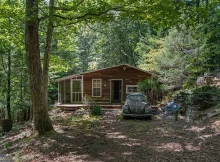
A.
pixel 136 106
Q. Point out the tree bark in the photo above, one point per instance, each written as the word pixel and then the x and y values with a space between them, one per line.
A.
pixel 42 123
pixel 9 86
pixel 48 46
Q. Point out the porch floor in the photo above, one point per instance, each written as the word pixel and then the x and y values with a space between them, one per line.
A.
pixel 73 107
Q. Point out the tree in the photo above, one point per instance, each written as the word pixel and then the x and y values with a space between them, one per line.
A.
pixel 180 55
pixel 119 41
pixel 10 50
pixel 42 122
pixel 212 28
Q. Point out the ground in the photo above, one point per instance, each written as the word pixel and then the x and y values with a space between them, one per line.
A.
pixel 81 138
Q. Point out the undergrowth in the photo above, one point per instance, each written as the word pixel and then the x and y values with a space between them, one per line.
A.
pixel 84 122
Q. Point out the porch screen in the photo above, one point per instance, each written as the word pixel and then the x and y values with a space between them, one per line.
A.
pixel 76 91
pixel 96 87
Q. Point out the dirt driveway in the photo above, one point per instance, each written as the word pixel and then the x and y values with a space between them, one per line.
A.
pixel 112 139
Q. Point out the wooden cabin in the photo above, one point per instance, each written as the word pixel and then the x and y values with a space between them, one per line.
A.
pixel 108 85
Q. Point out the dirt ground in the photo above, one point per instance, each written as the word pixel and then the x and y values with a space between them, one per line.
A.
pixel 109 138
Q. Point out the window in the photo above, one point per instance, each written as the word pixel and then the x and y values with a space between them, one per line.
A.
pixel 131 89
pixel 96 87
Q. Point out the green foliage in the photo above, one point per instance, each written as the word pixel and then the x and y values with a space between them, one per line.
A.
pixel 153 89
pixel 182 97
pixel 212 28
pixel 93 34
pixel 83 121
pixel 203 97
pixel 6 146
pixel 13 72
pixel 96 110
pixel 178 55
pixel 206 97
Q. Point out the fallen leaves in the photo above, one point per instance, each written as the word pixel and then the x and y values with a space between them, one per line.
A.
pixel 83 138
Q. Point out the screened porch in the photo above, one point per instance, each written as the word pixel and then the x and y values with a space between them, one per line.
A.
pixel 70 90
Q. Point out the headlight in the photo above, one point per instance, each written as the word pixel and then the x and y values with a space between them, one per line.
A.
pixel 125 109
pixel 148 109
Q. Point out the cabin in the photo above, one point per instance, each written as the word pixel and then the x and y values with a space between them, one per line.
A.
pixel 106 86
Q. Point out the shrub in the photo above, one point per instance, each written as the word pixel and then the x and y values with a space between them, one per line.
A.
pixel 203 97
pixel 96 110
pixel 206 96
pixel 182 97
pixel 153 89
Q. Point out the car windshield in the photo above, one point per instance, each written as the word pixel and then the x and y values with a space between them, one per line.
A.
pixel 140 98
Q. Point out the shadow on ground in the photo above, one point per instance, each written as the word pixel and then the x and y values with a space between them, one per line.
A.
pixel 112 139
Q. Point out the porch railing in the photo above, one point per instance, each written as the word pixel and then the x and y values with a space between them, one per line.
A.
pixel 77 97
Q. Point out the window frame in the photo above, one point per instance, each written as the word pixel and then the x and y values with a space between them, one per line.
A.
pixel 97 87
pixel 128 86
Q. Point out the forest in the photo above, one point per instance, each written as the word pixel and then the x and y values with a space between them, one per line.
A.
pixel 178 41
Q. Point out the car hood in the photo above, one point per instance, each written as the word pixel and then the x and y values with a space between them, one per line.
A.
pixel 136 107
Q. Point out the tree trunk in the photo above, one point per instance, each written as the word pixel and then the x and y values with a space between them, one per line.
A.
pixel 9 86
pixel 47 46
pixel 42 122
pixel 197 8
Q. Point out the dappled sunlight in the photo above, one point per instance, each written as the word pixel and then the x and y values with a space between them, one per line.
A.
pixel 14 138
pixel 127 153
pixel 163 131
pixel 216 125
pixel 196 129
pixel 75 157
pixel 205 136
pixel 116 135
pixel 126 140
pixel 172 146
pixel 191 147
pixel 58 128
pixel 116 140
pixel 107 156
pixel 28 156
pixel 130 144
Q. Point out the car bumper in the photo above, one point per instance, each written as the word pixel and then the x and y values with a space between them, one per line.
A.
pixel 136 115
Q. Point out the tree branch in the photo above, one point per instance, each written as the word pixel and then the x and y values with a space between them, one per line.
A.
pixel 95 29
pixel 69 8
pixel 87 14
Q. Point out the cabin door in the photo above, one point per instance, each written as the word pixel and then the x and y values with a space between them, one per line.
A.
pixel 76 96
pixel 116 89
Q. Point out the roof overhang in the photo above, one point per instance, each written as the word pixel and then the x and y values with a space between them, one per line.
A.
pixel 123 65
pixel 68 77
pixel 118 66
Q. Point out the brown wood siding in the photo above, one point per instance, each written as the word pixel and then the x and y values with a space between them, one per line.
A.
pixel 129 76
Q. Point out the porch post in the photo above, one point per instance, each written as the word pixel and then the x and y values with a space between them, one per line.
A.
pixel 64 97
pixel 58 92
pixel 82 86
pixel 71 91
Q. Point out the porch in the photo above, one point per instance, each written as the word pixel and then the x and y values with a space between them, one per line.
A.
pixel 70 90
pixel 74 107
pixel 78 90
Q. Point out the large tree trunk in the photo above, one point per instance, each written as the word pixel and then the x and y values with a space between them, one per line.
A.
pixel 42 122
